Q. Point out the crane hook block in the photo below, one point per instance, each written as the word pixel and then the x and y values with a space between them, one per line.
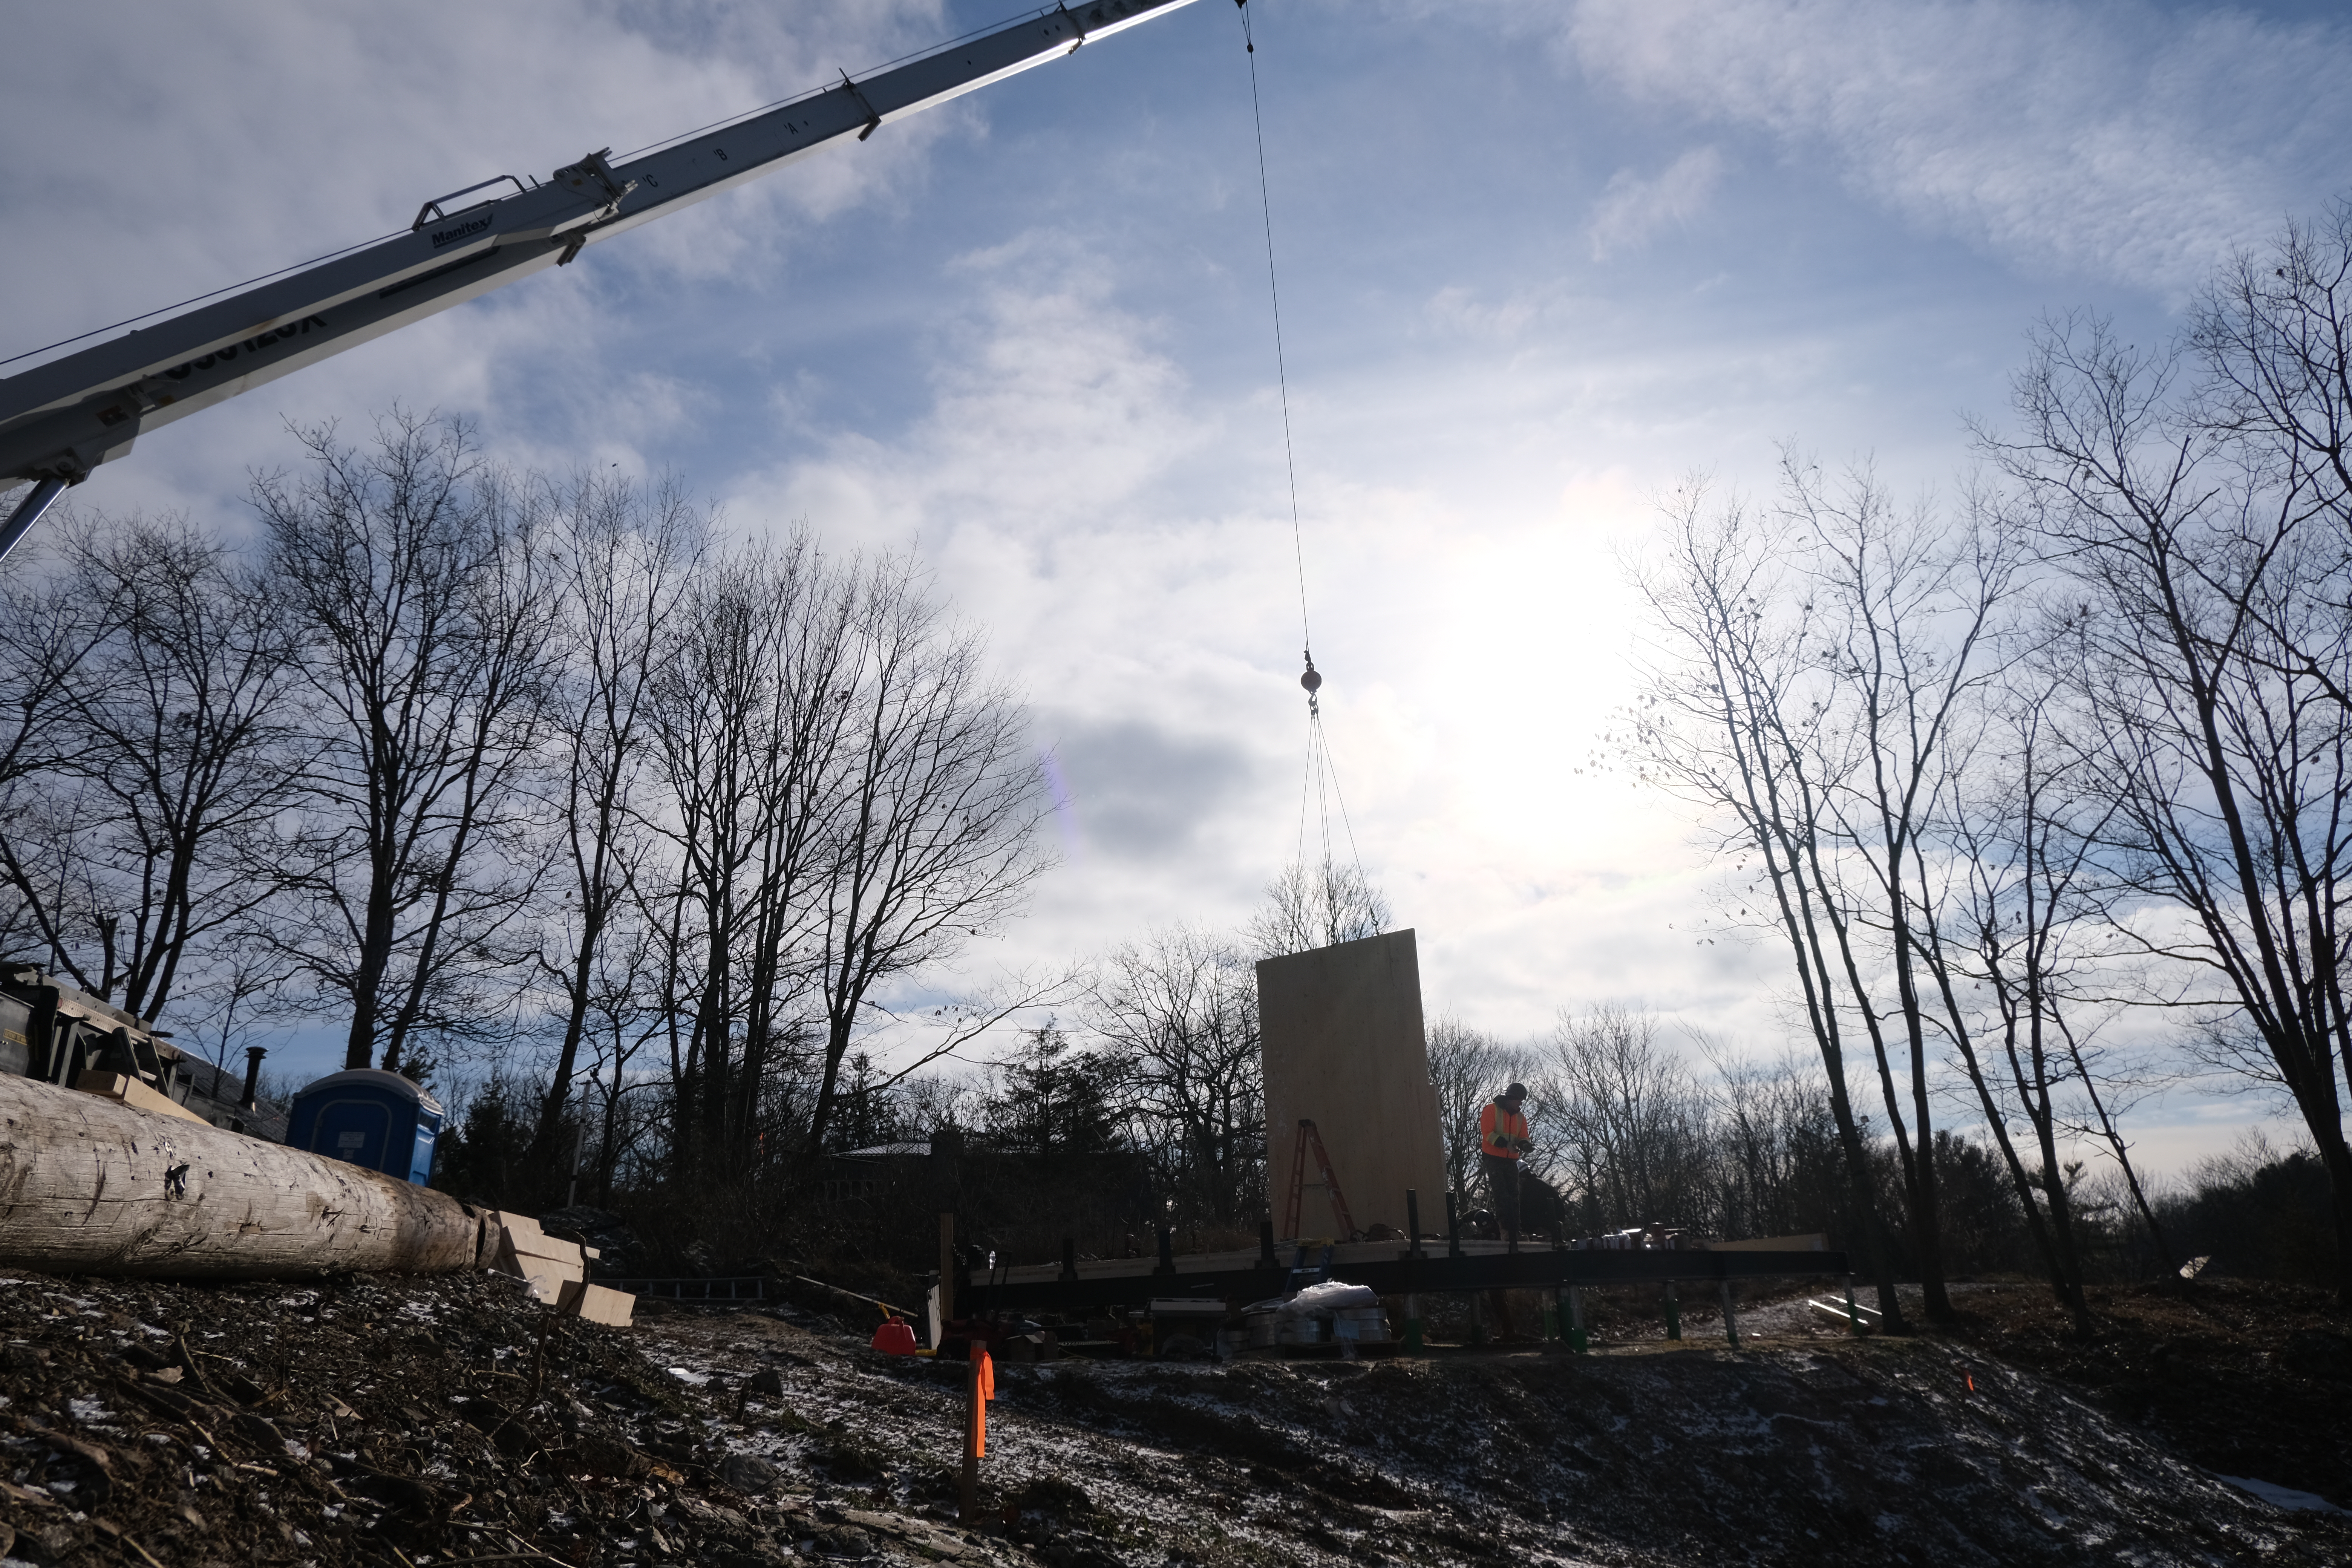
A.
pixel 1312 679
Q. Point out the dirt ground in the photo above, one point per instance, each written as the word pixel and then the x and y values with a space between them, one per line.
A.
pixel 425 1422
pixel 2240 1378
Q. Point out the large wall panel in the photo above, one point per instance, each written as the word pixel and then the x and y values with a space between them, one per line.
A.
pixel 1342 1031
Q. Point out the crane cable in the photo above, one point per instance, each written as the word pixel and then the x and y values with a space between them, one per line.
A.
pixel 1321 784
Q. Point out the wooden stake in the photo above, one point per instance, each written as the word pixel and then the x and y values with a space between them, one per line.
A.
pixel 968 1500
pixel 981 1384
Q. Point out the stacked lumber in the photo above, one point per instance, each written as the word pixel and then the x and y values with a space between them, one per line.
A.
pixel 125 1090
pixel 555 1270
pixel 90 1184
pixel 530 1254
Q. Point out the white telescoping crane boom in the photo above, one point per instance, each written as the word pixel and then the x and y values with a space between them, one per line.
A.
pixel 60 420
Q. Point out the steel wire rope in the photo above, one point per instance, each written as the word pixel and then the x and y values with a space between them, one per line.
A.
pixel 1322 778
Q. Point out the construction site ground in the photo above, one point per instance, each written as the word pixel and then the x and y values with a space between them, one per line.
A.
pixel 443 1420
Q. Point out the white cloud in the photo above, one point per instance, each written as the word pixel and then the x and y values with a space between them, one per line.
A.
pixel 257 136
pixel 1633 208
pixel 2124 140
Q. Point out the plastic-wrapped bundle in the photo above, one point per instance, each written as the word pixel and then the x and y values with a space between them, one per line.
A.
pixel 1331 1296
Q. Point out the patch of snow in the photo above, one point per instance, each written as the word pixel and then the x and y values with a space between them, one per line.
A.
pixel 2278 1496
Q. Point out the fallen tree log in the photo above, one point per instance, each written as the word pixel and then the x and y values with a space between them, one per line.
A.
pixel 89 1185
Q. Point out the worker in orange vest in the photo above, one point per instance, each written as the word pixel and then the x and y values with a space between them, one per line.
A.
pixel 1502 1139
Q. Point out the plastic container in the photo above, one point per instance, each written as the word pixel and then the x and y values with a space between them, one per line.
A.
pixel 378 1119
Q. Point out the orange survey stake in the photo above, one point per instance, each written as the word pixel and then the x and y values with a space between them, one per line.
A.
pixel 987 1393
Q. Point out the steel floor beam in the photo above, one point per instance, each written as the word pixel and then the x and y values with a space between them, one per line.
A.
pixel 1429 1276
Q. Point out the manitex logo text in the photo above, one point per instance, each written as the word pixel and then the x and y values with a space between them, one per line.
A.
pixel 253 345
pixel 457 231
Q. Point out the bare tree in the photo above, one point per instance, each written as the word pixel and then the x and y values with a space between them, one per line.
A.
pixel 756 718
pixel 1180 1009
pixel 1915 606
pixel 2273 333
pixel 47 628
pixel 933 840
pixel 178 759
pixel 1771 1129
pixel 1625 1125
pixel 417 581
pixel 1730 719
pixel 2017 874
pixel 2209 563
pixel 627 559
pixel 1322 905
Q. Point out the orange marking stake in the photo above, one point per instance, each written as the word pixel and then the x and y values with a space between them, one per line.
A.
pixel 988 1392
pixel 982 1386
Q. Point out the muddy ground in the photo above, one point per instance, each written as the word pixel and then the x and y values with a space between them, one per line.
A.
pixel 426 1422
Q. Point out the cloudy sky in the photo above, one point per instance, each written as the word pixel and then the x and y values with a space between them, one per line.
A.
pixel 1539 261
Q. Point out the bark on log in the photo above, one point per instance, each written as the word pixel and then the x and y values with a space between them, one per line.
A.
pixel 88 1185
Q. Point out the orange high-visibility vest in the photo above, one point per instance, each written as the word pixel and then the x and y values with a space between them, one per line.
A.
pixel 1501 1133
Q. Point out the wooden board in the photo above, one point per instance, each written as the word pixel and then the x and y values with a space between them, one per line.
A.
pixel 596 1304
pixel 1342 1037
pixel 131 1091
pixel 568 1253
pixel 520 1228
pixel 546 1275
pixel 521 1248
pixel 90 1186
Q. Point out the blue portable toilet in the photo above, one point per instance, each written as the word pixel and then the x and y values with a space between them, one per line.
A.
pixel 378 1119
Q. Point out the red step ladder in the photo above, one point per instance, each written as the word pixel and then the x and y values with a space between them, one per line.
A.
pixel 1309 1135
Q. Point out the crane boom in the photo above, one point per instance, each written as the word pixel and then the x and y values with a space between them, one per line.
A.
pixel 60 420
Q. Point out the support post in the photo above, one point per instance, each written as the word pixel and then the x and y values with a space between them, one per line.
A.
pixel 1265 1258
pixel 1511 1230
pixel 1413 1254
pixel 1674 1312
pixel 968 1492
pixel 1167 1251
pixel 1069 1259
pixel 1852 1314
pixel 1731 1317
pixel 1453 1224
pixel 1576 1337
